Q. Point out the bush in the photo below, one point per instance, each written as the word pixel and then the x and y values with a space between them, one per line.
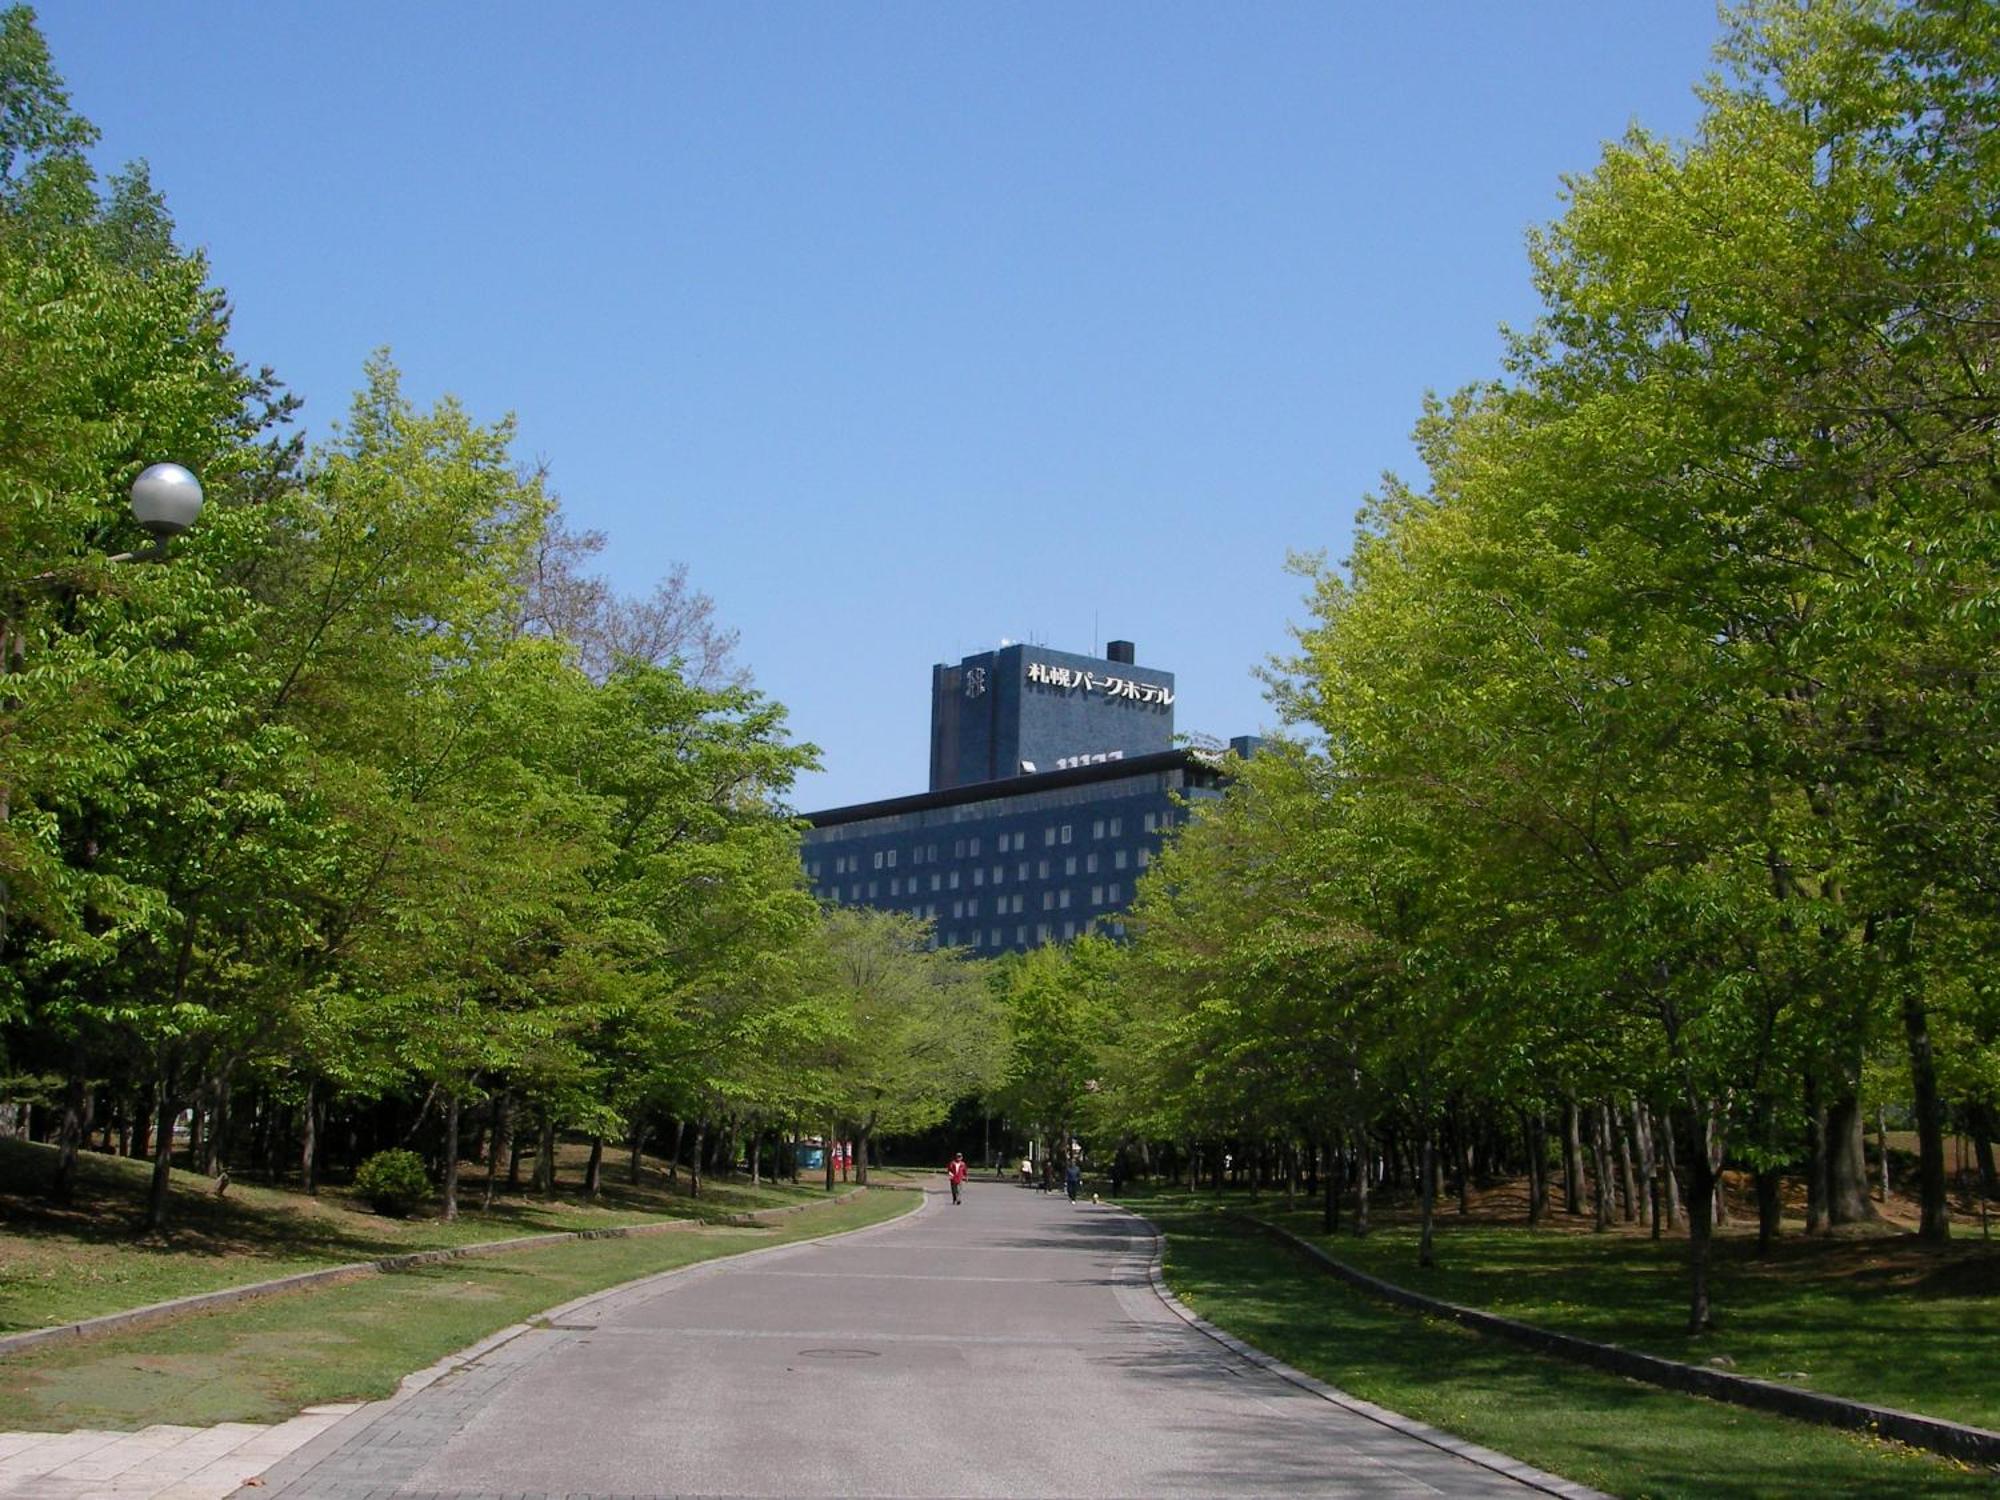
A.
pixel 393 1182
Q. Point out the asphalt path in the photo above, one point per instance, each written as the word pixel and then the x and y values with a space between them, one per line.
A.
pixel 1013 1345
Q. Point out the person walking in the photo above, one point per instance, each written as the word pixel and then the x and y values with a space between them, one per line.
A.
pixel 956 1172
pixel 1073 1176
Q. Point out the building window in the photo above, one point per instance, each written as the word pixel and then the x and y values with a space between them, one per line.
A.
pixel 854 891
pixel 958 850
pixel 995 936
pixel 874 889
pixel 1069 931
pixel 952 880
pixel 1117 827
pixel 1097 895
pixel 1048 838
pixel 975 848
pixel 1090 864
pixel 937 881
pixel 1041 932
pixel 1117 893
pixel 1062 900
pixel 892 859
pixel 972 907
pixel 1097 829
pixel 1069 865
pixel 1145 858
pixel 979 876
pixel 1048 900
pixel 895 887
pixel 999 874
pixel 878 859
pixel 1118 859
pixel 1022 873
pixel 1152 822
pixel 1021 934
pixel 1042 869
pixel 1065 833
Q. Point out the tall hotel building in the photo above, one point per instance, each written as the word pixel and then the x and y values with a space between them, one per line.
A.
pixel 1053 779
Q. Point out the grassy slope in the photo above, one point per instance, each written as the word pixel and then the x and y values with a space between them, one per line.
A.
pixel 1876 1317
pixel 1620 1436
pixel 58 1265
pixel 262 1361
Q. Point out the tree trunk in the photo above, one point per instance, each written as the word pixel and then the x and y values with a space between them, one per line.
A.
pixel 309 1140
pixel 593 1175
pixel 142 1124
pixel 163 1152
pixel 75 1126
pixel 694 1166
pixel 1700 1205
pixel 674 1156
pixel 1572 1159
pixel 451 1156
pixel 1663 1135
pixel 1600 1168
pixel 545 1157
pixel 1427 1197
pixel 1628 1179
pixel 1361 1165
pixel 1816 1159
pixel 861 1140
pixel 1649 1180
pixel 1934 1222
pixel 502 1143
pixel 637 1167
pixel 756 1136
pixel 826 1154
pixel 516 1145
pixel 1882 1146
pixel 1847 1200
pixel 1979 1121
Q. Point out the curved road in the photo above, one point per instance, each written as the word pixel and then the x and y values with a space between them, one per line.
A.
pixel 1011 1346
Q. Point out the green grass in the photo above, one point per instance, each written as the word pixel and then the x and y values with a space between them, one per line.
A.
pixel 1877 1317
pixel 263 1361
pixel 61 1264
pixel 1621 1436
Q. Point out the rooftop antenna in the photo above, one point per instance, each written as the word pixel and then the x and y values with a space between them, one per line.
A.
pixel 1093 634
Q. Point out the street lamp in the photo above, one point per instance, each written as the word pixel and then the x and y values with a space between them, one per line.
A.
pixel 165 500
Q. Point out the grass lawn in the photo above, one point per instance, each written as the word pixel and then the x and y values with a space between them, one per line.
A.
pixel 1875 1316
pixel 1623 1437
pixel 262 1361
pixel 61 1264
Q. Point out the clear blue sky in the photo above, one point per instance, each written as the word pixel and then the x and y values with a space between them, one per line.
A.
pixel 906 327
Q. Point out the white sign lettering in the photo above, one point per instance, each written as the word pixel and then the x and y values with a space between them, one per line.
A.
pixel 1112 687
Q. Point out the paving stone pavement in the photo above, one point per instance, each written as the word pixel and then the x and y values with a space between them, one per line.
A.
pixel 155 1463
pixel 1014 1346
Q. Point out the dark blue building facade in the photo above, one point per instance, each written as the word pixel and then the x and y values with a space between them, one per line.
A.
pixel 1054 778
pixel 1025 710
pixel 1006 865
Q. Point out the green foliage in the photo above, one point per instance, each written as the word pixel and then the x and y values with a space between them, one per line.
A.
pixel 393 1183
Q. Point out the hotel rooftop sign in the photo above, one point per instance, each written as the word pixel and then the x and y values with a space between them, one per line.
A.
pixel 1074 679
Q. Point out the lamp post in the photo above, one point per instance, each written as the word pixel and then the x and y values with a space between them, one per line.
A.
pixel 166 498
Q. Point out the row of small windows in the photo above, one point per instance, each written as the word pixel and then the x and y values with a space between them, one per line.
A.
pixel 1005 843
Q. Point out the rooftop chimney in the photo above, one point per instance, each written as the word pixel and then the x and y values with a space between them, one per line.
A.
pixel 1121 651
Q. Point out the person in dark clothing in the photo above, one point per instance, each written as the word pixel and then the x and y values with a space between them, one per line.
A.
pixel 1073 1177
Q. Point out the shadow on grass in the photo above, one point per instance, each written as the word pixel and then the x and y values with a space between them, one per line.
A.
pixel 1617 1434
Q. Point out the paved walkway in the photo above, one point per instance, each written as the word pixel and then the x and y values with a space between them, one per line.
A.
pixel 155 1463
pixel 1013 1346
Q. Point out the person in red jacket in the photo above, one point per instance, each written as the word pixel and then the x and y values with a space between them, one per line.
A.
pixel 957 1174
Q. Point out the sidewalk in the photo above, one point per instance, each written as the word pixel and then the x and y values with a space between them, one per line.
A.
pixel 155 1463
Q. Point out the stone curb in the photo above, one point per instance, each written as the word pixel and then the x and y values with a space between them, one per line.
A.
pixel 1423 1432
pixel 1953 1439
pixel 155 1312
pixel 300 1461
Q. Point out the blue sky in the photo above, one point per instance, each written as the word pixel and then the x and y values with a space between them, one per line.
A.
pixel 908 328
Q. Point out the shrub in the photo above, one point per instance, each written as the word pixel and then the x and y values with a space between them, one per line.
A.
pixel 393 1182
